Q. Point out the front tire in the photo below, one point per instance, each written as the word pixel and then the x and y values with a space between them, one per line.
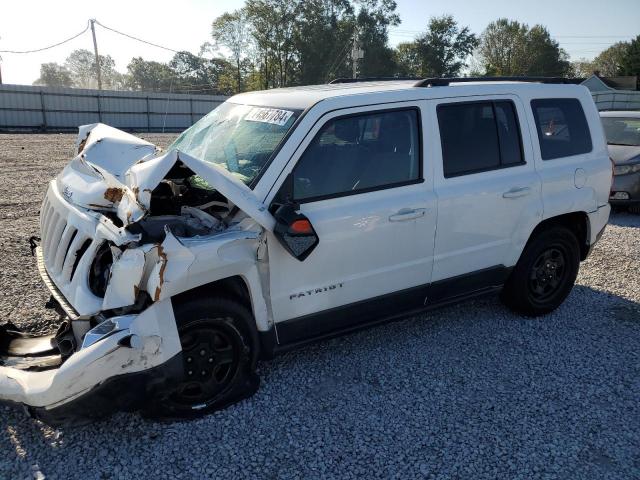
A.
pixel 219 355
pixel 545 274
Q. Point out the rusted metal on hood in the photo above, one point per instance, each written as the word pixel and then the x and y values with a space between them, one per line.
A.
pixel 83 142
pixel 114 194
pixel 163 259
pixel 166 263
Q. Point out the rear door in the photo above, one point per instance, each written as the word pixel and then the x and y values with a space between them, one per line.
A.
pixel 489 194
pixel 361 181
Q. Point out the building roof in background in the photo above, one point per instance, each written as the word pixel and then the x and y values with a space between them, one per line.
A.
pixel 596 83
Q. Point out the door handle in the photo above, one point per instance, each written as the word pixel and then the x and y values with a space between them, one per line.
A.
pixel 516 192
pixel 408 214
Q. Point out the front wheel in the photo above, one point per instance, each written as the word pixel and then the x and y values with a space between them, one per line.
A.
pixel 545 273
pixel 219 354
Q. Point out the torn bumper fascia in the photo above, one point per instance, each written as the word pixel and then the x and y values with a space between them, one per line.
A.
pixel 149 340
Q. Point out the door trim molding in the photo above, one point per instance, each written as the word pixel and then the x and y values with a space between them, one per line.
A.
pixel 393 306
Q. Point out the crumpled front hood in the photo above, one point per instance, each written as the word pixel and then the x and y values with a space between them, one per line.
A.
pixel 621 154
pixel 116 171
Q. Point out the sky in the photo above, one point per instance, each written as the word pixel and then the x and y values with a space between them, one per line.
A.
pixel 583 28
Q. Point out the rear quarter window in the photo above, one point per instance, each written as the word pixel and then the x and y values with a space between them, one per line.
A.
pixel 562 127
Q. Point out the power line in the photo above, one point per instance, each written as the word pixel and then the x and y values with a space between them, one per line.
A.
pixel 408 31
pixel 50 46
pixel 339 59
pixel 137 39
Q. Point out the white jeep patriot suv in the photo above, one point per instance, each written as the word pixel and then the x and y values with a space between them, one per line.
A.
pixel 290 215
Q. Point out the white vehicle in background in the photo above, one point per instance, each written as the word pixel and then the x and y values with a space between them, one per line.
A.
pixel 622 129
pixel 291 215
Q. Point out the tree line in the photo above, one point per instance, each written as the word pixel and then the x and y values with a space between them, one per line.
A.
pixel 280 43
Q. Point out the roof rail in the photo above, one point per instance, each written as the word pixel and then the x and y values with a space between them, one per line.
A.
pixel 443 82
pixel 370 79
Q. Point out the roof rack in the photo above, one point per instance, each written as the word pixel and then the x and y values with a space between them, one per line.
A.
pixel 370 79
pixel 444 82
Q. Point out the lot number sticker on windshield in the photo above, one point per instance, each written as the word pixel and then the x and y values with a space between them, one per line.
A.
pixel 269 115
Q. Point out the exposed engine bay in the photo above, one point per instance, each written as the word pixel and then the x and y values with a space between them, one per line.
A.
pixel 185 204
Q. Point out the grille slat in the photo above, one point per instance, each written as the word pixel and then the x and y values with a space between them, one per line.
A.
pixel 70 259
pixel 63 247
pixel 44 210
pixel 46 234
pixel 46 221
pixel 56 235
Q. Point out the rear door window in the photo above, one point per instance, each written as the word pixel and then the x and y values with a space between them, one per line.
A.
pixel 562 127
pixel 479 136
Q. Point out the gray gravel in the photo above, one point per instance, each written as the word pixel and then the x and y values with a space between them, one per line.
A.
pixel 470 391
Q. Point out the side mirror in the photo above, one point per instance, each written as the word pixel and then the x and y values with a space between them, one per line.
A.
pixel 294 231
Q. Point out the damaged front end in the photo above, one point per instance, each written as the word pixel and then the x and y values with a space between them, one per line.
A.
pixel 124 227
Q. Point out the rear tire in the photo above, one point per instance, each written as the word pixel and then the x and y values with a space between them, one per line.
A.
pixel 545 273
pixel 219 354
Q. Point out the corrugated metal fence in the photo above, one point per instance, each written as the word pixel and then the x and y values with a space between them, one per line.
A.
pixel 27 108
pixel 617 100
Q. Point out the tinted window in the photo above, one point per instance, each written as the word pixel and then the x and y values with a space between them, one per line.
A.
pixel 357 153
pixel 562 127
pixel 508 133
pixel 478 136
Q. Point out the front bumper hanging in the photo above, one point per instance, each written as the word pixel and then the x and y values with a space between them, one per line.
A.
pixel 121 361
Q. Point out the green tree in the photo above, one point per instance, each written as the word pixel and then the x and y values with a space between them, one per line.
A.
pixel 231 30
pixel 582 68
pixel 323 39
pixel 81 64
pixel 609 61
pixel 630 62
pixel 373 20
pixel 54 75
pixel 149 76
pixel 294 42
pixel 273 24
pixel 508 47
pixel 193 73
pixel 503 48
pixel 439 52
pixel 408 60
pixel 544 55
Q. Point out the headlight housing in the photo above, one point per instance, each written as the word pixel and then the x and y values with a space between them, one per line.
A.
pixel 626 169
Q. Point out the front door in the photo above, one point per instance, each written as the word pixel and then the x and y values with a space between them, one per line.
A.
pixel 361 181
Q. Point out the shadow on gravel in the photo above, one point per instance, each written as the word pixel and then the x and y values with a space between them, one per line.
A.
pixel 468 391
pixel 625 219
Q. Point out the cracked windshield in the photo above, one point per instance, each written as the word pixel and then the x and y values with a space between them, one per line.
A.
pixel 239 138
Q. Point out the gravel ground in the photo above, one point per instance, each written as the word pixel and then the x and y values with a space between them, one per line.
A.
pixel 470 391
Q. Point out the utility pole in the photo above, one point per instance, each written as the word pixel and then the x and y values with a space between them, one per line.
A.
pixel 95 49
pixel 356 54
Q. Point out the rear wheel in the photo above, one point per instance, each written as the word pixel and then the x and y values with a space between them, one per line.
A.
pixel 545 273
pixel 219 354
